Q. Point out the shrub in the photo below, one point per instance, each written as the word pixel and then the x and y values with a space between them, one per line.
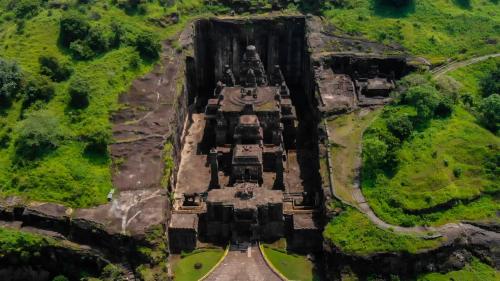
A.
pixel 424 98
pixel 10 80
pixel 73 27
pixel 457 172
pixel 37 134
pixel 81 50
pixel 97 39
pixel 38 88
pixel 401 127
pixel 491 83
pixel 374 154
pixel 148 45
pixel 79 91
pixel 97 139
pixel 51 67
pixel 444 107
pixel 25 8
pixel 489 112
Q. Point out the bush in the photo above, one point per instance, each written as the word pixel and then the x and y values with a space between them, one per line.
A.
pixel 73 27
pixel 38 88
pixel 10 80
pixel 444 107
pixel 425 99
pixel 491 83
pixel 374 154
pixel 98 40
pixel 51 67
pixel 25 8
pixel 81 50
pixel 37 134
pixel 97 139
pixel 401 127
pixel 148 45
pixel 489 112
pixel 79 91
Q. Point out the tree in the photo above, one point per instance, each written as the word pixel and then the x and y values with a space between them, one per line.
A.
pixel 374 154
pixel 148 45
pixel 51 67
pixel 60 278
pixel 489 112
pixel 79 91
pixel 424 98
pixel 37 134
pixel 38 88
pixel 401 127
pixel 10 80
pixel 491 83
pixel 73 27
pixel 97 39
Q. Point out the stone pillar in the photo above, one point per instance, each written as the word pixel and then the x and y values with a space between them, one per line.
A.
pixel 214 169
pixel 279 182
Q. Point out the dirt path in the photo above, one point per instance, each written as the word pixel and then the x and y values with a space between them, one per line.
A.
pixel 439 71
pixel 243 265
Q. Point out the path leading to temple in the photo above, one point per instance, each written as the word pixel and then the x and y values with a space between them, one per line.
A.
pixel 445 68
pixel 243 264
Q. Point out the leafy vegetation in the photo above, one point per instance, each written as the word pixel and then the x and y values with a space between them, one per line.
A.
pixel 194 265
pixel 352 232
pixel 475 271
pixel 443 171
pixel 69 162
pixel 21 244
pixel 435 29
pixel 293 266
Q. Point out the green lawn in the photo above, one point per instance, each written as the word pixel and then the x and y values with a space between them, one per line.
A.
pixel 435 29
pixel 68 175
pixel 292 266
pixel 352 232
pixel 184 269
pixel 475 271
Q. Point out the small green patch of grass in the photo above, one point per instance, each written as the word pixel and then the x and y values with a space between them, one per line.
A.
pixel 293 266
pixel 185 268
pixel 22 244
pixel 475 271
pixel 471 75
pixel 354 233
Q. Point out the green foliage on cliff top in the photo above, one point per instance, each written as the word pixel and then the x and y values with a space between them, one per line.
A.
pixel 436 29
pixel 70 173
pixel 352 232
pixel 445 171
pixel 475 271
pixel 22 244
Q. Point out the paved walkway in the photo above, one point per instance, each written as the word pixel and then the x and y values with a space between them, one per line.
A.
pixel 436 72
pixel 243 265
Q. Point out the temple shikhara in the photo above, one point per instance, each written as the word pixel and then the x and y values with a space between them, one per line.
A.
pixel 239 169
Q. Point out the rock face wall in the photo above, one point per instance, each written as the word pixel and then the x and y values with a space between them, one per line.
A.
pixel 220 42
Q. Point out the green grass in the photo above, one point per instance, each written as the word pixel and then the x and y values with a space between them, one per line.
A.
pixel 292 266
pixel 435 29
pixel 68 175
pixel 352 232
pixel 475 271
pixel 21 244
pixel 184 269
pixel 470 76
pixel 425 179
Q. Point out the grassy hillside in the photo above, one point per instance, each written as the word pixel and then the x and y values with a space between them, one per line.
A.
pixel 353 232
pixel 70 174
pixel 475 271
pixel 435 29
pixel 444 168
